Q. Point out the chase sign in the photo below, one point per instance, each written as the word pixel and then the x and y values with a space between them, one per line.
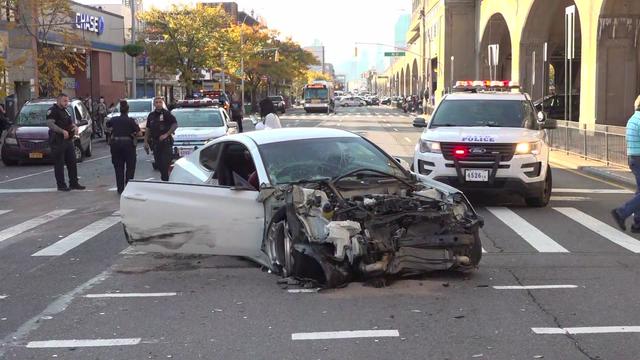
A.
pixel 90 23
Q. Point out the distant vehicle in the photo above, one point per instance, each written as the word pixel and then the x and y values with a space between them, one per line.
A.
pixel 318 96
pixel 374 100
pixel 278 103
pixel 385 101
pixel 348 101
pixel 27 140
pixel 139 109
pixel 554 106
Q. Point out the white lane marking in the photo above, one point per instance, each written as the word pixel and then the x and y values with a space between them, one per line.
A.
pixel 528 232
pixel 586 330
pixel 30 224
pixel 35 190
pixel 82 343
pixel 132 251
pixel 56 307
pixel 569 198
pixel 344 334
pixel 408 140
pixel 113 189
pixel 298 291
pixel 149 179
pixel 79 237
pixel 2 212
pixel 592 191
pixel 2 297
pixel 600 228
pixel 535 287
pixel 51 170
pixel 394 129
pixel 129 295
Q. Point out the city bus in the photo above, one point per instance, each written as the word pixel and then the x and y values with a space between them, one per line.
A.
pixel 318 97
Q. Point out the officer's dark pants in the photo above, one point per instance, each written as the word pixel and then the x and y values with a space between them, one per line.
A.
pixel 64 154
pixel 162 154
pixel 238 120
pixel 123 155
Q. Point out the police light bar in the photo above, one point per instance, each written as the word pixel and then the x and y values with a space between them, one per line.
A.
pixel 198 102
pixel 469 84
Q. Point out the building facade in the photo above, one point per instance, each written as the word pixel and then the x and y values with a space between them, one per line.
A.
pixel 586 47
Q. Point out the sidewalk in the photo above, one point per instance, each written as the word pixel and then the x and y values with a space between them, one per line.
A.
pixel 617 174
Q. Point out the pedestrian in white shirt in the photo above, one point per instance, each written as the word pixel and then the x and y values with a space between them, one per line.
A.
pixel 269 119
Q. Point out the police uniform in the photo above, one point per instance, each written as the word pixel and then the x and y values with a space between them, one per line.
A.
pixel 62 150
pixel 123 148
pixel 159 123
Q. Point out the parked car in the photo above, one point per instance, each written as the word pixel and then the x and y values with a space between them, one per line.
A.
pixel 288 199
pixel 139 109
pixel 554 106
pixel 278 103
pixel 351 101
pixel 374 101
pixel 27 140
pixel 385 101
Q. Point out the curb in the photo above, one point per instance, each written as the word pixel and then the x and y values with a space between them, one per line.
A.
pixel 602 173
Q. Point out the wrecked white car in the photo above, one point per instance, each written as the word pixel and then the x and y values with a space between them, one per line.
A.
pixel 309 203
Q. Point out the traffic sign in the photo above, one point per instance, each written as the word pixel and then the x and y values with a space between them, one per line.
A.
pixel 395 53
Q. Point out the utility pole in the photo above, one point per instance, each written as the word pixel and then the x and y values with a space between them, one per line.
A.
pixel 134 81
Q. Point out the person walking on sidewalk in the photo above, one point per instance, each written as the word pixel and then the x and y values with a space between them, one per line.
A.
pixel 237 112
pixel 123 145
pixel 632 207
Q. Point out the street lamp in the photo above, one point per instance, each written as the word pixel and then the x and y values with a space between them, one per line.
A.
pixel 242 62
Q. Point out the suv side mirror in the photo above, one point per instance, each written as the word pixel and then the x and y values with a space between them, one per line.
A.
pixel 542 117
pixel 419 123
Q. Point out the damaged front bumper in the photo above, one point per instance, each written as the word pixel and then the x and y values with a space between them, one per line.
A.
pixel 332 237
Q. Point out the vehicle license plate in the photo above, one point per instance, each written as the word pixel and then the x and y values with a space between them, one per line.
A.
pixel 185 152
pixel 476 175
pixel 36 155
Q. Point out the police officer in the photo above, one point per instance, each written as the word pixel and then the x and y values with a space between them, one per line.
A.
pixel 124 132
pixel 160 127
pixel 61 133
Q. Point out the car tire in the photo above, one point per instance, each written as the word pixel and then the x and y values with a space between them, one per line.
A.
pixel 77 148
pixel 542 199
pixel 89 150
pixel 9 162
pixel 476 250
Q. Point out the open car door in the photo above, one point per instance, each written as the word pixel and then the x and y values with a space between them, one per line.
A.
pixel 192 219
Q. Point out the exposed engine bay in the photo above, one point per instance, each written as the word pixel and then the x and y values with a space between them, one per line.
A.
pixel 333 234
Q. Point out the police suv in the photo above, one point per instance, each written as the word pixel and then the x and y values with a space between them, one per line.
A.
pixel 486 135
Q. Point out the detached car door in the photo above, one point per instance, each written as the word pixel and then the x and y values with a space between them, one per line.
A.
pixel 193 218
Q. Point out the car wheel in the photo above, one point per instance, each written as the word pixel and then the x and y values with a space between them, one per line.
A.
pixel 278 244
pixel 9 162
pixel 79 152
pixel 89 150
pixel 543 198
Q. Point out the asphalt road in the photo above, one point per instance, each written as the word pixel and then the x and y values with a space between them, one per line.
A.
pixel 119 304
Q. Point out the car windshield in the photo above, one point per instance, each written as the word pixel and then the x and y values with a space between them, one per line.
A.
pixel 495 113
pixel 314 159
pixel 316 93
pixel 35 115
pixel 137 106
pixel 199 118
pixel 275 98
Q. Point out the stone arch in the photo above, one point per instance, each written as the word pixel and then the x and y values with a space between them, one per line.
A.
pixel 407 81
pixel 618 61
pixel 496 31
pixel 402 83
pixel 415 78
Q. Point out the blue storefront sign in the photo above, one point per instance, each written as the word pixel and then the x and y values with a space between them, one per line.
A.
pixel 90 23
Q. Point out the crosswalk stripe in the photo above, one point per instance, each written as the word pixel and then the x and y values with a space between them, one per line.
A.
pixel 30 224
pixel 592 191
pixel 528 232
pixel 78 237
pixel 2 212
pixel 602 229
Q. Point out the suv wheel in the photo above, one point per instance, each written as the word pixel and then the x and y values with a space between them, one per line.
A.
pixel 89 150
pixel 79 152
pixel 543 198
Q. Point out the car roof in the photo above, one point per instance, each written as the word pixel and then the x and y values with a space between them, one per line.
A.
pixel 291 134
pixel 486 96
pixel 48 101
pixel 196 108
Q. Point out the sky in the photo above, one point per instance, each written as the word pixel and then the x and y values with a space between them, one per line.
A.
pixel 337 24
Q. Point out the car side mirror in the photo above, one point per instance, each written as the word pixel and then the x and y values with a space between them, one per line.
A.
pixel 405 165
pixel 82 122
pixel 542 117
pixel 419 123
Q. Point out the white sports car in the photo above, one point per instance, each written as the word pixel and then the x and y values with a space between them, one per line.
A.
pixel 310 203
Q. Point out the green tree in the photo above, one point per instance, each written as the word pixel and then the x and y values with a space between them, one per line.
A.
pixel 186 39
pixel 44 20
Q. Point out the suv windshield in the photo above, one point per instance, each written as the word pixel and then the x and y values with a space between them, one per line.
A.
pixel 198 118
pixel 35 115
pixel 496 113
pixel 316 93
pixel 313 159
pixel 275 98
pixel 137 106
